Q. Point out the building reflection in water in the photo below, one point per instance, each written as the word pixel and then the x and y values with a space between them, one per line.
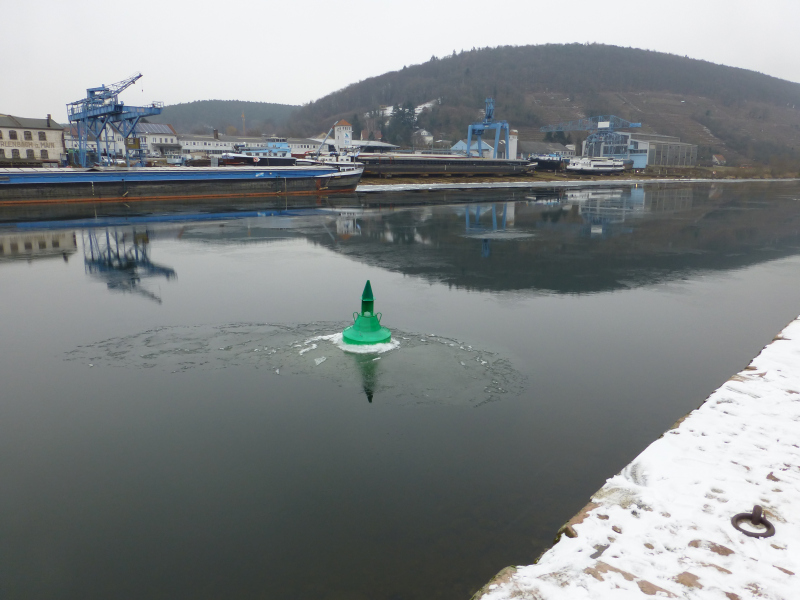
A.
pixel 347 223
pixel 36 245
pixel 122 259
pixel 602 209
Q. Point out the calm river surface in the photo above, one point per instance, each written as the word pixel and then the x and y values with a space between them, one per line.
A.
pixel 168 430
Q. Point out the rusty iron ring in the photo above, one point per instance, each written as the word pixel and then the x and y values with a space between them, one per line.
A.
pixel 756 518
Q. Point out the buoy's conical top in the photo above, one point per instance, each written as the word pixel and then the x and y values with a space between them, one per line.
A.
pixel 367 328
pixel 366 295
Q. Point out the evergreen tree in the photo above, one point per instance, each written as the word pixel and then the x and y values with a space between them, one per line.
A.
pixel 356 127
pixel 401 125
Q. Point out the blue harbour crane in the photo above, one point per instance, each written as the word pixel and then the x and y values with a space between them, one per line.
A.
pixel 101 107
pixel 604 139
pixel 488 124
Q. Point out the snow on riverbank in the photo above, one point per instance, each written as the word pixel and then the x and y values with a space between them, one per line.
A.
pixel 662 527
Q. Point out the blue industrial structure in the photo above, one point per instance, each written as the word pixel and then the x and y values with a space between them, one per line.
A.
pixel 101 107
pixel 604 139
pixel 122 265
pixel 473 227
pixel 487 124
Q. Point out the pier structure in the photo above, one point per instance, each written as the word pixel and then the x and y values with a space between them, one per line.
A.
pixel 684 518
pixel 101 107
pixel 489 124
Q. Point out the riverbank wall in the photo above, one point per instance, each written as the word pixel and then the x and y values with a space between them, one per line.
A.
pixel 663 527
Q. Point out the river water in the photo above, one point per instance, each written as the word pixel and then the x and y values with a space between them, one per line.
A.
pixel 176 420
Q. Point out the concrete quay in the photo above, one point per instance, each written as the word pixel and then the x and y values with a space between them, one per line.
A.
pixel 663 526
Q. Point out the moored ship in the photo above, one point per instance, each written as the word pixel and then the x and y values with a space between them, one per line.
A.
pixel 548 162
pixel 139 184
pixel 231 159
pixel 274 153
pixel 395 164
pixel 588 165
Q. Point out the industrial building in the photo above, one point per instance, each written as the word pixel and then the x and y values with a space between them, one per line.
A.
pixel 211 144
pixel 217 143
pixel 27 142
pixel 525 149
pixel 607 139
pixel 342 140
pixel 157 139
pixel 461 147
pixel 644 149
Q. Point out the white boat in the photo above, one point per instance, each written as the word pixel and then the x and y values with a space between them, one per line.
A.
pixel 588 165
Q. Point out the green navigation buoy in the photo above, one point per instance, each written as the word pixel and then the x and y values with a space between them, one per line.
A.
pixel 367 327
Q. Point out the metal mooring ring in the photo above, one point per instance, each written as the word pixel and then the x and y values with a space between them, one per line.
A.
pixel 756 518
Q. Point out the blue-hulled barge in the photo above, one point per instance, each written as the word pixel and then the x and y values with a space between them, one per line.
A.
pixel 67 185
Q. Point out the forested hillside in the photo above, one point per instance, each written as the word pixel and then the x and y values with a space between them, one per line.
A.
pixel 226 116
pixel 748 116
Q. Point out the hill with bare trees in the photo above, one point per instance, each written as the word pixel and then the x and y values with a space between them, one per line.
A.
pixel 747 116
pixel 225 116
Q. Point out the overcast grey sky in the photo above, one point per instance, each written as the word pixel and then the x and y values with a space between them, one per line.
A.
pixel 294 52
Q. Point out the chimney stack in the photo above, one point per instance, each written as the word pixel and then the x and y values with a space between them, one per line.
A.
pixel 216 134
pixel 48 120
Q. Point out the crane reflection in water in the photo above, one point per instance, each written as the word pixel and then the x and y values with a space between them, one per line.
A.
pixel 502 227
pixel 122 259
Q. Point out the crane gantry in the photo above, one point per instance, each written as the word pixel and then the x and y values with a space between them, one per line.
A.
pixel 487 124
pixel 102 106
pixel 603 130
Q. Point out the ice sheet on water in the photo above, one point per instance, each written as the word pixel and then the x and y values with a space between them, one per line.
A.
pixel 337 339
pixel 414 368
pixel 498 235
pixel 416 187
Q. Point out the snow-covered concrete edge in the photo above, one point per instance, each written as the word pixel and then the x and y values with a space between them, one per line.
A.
pixel 662 526
pixel 499 185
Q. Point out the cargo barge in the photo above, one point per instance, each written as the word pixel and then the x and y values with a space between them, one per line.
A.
pixel 395 165
pixel 548 162
pixel 45 186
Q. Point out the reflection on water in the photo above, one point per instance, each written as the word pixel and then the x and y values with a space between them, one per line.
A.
pixel 573 240
pixel 219 442
pixel 41 244
pixel 368 367
pixel 500 225
pixel 121 258
pixel 559 240
pixel 447 371
pixel 347 223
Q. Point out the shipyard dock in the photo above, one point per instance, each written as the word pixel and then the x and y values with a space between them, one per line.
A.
pixel 664 526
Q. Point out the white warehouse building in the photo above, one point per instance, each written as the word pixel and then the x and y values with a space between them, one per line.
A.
pixel 30 142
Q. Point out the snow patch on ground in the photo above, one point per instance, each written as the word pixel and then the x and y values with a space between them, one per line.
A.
pixel 662 526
